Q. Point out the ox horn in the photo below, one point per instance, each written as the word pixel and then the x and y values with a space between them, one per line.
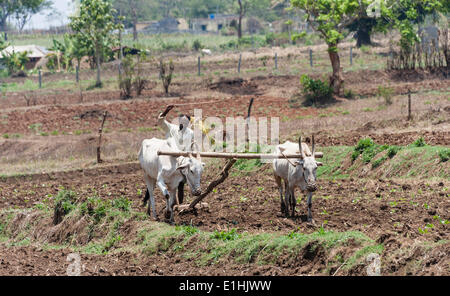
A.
pixel 300 147
pixel 198 151
pixel 313 146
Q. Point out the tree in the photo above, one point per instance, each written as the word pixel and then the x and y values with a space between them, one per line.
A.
pixel 404 14
pixel 22 10
pixel 132 11
pixel 27 8
pixel 95 23
pixel 329 19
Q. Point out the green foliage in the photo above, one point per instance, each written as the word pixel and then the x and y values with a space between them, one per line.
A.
pixel 93 28
pixel 197 45
pixel 126 77
pixel 393 150
pixel 66 199
pixel 328 17
pixel 165 73
pixel 420 142
pixel 315 91
pixel 189 230
pixel 122 203
pixel 386 93
pixel 226 235
pixel 368 149
pixel 15 61
pixel 444 154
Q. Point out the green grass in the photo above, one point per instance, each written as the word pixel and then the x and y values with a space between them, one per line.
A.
pixel 106 217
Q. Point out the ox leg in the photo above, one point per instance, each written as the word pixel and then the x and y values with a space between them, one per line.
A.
pixel 162 186
pixel 180 192
pixel 172 202
pixel 293 201
pixel 309 201
pixel 287 199
pixel 280 189
pixel 149 195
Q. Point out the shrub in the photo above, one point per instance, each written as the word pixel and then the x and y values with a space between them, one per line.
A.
pixel 15 62
pixel 368 149
pixel 386 93
pixel 420 142
pixel 139 82
pixel 444 155
pixel 393 150
pixel 122 203
pixel 225 235
pixel 315 91
pixel 197 45
pixel 348 94
pixel 126 77
pixel 165 73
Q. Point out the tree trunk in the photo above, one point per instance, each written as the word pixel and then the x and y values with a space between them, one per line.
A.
pixel 135 34
pixel 363 36
pixel 336 79
pixel 241 14
pixel 97 57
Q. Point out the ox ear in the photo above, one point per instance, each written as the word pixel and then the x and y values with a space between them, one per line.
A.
pixel 182 166
pixel 319 163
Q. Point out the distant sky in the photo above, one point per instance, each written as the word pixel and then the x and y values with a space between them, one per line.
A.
pixel 41 21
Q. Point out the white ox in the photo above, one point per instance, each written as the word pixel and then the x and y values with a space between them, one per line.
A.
pixel 296 173
pixel 167 172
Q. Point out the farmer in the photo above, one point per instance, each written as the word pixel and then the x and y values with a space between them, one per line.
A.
pixel 180 135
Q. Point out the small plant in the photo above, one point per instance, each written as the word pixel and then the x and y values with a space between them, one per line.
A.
pixel 386 93
pixel 197 45
pixel 420 142
pixel 139 82
pixel 316 91
pixel 126 77
pixel 226 235
pixel 122 203
pixel 348 94
pixel 165 73
pixel 444 154
pixel 189 230
pixel 393 150
pixel 15 62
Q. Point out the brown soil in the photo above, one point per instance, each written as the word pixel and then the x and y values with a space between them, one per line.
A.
pixel 374 207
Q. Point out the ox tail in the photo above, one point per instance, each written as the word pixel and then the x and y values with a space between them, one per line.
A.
pixel 146 197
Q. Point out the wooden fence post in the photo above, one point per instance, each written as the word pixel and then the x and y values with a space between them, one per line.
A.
pixel 409 105
pixel 100 131
pixel 40 78
pixel 351 56
pixel 239 63
pixel 276 61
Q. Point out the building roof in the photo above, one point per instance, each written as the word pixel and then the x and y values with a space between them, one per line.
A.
pixel 34 51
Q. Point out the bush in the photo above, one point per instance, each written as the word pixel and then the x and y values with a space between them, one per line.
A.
pixel 420 142
pixel 444 155
pixel 386 93
pixel 197 45
pixel 393 150
pixel 15 62
pixel 126 77
pixel 368 149
pixel 315 91
pixel 165 73
pixel 226 235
